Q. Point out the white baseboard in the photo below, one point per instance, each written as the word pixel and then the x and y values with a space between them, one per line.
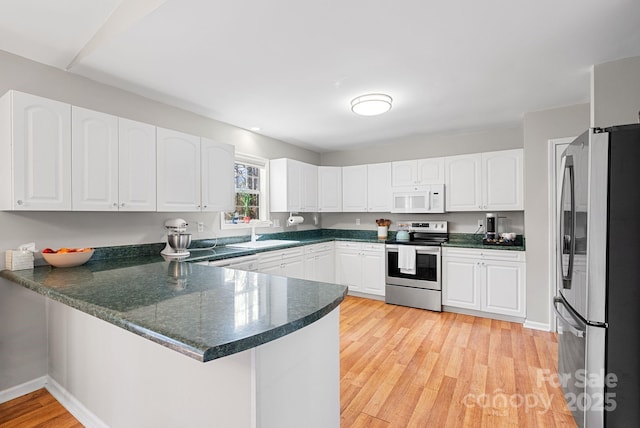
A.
pixel 73 406
pixel 536 325
pixel 23 389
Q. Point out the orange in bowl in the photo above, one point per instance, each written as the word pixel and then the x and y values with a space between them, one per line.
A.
pixel 68 257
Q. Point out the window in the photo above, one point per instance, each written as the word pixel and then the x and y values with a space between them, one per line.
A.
pixel 251 185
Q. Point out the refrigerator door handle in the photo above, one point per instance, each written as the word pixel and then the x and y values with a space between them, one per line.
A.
pixel 573 330
pixel 567 241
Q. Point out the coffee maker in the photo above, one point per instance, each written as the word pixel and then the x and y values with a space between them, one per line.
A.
pixel 491 226
pixel 177 240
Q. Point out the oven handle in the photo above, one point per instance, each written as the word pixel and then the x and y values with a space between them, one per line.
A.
pixel 575 331
pixel 419 249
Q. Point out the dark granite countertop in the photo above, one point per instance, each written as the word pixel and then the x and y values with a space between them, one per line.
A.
pixel 200 311
pixel 471 240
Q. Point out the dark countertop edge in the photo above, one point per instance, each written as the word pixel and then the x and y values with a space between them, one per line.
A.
pixel 231 253
pixel 481 246
pixel 200 354
pixel 273 334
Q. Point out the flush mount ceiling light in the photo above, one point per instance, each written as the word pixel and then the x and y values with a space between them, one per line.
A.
pixel 371 104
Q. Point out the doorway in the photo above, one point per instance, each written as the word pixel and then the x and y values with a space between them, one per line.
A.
pixel 556 148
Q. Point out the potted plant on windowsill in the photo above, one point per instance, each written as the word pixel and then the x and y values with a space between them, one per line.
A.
pixel 246 200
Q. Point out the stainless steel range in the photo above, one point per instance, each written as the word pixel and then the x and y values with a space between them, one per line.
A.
pixel 413 266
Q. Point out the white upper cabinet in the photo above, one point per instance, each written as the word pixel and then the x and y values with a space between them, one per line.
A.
pixel 491 181
pixel 309 197
pixel 136 166
pixel 463 182
pixel 178 168
pixel 293 186
pixel 35 153
pixel 94 160
pixel 379 187
pixel 354 188
pixel 502 180
pixel 218 187
pixel 418 172
pixel 329 189
pixel 193 174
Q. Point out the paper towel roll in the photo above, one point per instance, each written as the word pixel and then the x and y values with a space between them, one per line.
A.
pixel 295 219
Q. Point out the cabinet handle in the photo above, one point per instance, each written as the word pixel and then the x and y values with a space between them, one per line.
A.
pixel 204 207
pixel 122 204
pixel 114 205
pixel 19 202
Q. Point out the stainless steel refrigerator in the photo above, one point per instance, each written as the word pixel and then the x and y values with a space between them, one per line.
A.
pixel 597 304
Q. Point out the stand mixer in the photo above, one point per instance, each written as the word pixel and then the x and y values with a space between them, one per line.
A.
pixel 177 240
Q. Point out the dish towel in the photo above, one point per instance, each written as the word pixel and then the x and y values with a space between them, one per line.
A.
pixel 407 259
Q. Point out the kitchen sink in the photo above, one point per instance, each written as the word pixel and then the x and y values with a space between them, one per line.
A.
pixel 263 244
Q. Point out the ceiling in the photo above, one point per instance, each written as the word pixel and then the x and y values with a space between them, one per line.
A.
pixel 292 67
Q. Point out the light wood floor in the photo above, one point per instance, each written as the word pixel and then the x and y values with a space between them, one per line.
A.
pixel 403 367
pixel 38 409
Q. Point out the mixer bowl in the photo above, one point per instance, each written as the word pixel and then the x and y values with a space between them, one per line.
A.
pixel 179 241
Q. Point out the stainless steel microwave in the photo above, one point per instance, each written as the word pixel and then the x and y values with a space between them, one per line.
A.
pixel 418 199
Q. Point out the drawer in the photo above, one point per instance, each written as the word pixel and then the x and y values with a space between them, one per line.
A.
pixel 348 245
pixel 373 247
pixel 484 254
pixel 317 248
pixel 281 254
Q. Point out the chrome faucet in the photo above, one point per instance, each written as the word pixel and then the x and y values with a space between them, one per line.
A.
pixel 254 237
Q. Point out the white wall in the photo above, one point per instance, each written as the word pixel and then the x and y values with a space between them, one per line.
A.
pixel 615 93
pixel 429 146
pixel 80 229
pixel 539 128
pixel 23 336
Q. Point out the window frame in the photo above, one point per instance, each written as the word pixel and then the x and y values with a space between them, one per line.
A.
pixel 265 218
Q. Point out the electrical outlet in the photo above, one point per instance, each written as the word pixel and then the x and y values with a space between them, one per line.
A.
pixel 480 224
pixel 357 222
pixel 200 226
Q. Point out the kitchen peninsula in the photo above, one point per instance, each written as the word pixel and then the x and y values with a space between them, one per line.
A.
pixel 257 350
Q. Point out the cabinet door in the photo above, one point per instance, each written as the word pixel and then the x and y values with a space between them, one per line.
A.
pixel 41 152
pixel 461 283
pixel 354 188
pixel 293 268
pixel 404 173
pixel 136 166
pixel 325 267
pixel 503 288
pixel 293 190
pixel 329 189
pixel 430 171
pixel 218 187
pixel 275 268
pixel 309 188
pixel 373 272
pixel 178 171
pixel 349 268
pixel 311 271
pixel 379 187
pixel 502 180
pixel 463 183
pixel 94 160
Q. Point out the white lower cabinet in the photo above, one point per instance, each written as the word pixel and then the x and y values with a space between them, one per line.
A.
pixel 491 281
pixel 361 267
pixel 319 262
pixel 288 262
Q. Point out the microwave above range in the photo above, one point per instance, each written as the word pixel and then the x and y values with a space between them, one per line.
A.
pixel 418 199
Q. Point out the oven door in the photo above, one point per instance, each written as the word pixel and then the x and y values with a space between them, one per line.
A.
pixel 427 268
